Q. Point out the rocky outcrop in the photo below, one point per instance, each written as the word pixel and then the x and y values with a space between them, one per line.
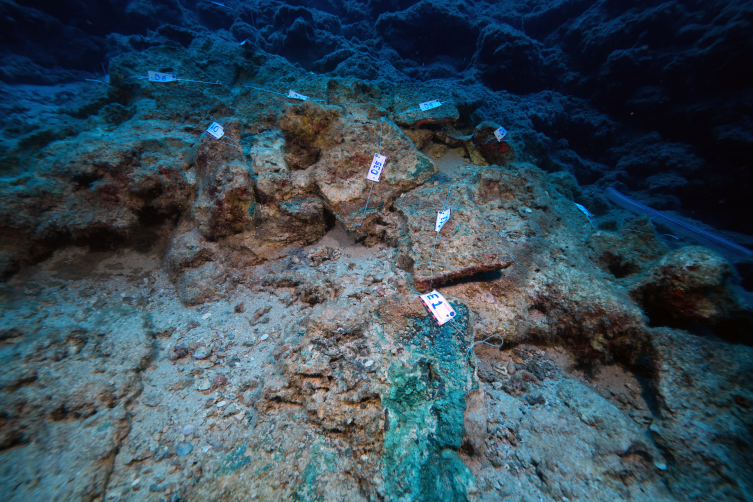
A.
pixel 192 318
pixel 705 399
pixel 692 285
pixel 99 189
pixel 469 244
pixel 225 194
pixel 57 394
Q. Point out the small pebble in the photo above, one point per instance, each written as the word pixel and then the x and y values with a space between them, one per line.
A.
pixel 368 363
pixel 232 409
pixel 204 385
pixel 152 400
pixel 219 380
pixel 263 337
pixel 221 404
pixel 188 430
pixel 206 316
pixel 202 352
pixel 177 352
pixel 183 448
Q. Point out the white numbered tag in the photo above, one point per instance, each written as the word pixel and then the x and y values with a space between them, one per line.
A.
pixel 438 306
pixel 155 76
pixel 442 217
pixel 500 133
pixel 293 94
pixel 216 130
pixel 375 171
pixel 428 105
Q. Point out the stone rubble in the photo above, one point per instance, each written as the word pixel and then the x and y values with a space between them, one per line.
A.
pixel 186 319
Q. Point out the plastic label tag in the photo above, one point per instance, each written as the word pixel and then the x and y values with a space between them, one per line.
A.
pixel 500 133
pixel 438 307
pixel 216 130
pixel 244 42
pixel 375 171
pixel 293 94
pixel 161 77
pixel 442 217
pixel 428 105
pixel 584 210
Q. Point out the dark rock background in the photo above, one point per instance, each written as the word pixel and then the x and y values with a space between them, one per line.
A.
pixel 651 97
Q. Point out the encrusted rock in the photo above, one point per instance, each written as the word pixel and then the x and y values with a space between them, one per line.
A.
pixel 693 376
pixel 323 254
pixel 225 190
pixel 690 283
pixel 218 380
pixel 492 150
pixel 468 244
pixel 201 284
pixel 188 250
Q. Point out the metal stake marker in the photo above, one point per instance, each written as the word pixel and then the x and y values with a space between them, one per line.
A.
pixel 431 260
pixel 381 121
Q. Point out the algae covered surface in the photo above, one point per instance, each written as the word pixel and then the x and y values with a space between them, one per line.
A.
pixel 424 413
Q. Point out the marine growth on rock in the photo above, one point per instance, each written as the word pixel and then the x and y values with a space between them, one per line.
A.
pixel 375 251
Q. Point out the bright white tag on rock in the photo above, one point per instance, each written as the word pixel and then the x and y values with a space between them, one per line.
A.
pixel 438 306
pixel 216 130
pixel 428 105
pixel 583 210
pixel 155 76
pixel 500 133
pixel 442 217
pixel 293 94
pixel 375 171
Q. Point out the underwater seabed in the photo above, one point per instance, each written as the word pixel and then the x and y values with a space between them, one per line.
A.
pixel 208 296
pixel 319 376
pixel 166 370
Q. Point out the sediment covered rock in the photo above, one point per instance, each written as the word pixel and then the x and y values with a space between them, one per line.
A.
pixel 189 318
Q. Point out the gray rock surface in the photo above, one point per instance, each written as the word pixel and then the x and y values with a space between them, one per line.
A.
pixel 154 277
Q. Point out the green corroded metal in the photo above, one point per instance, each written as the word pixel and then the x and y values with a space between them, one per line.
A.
pixel 424 420
pixel 320 461
pixel 233 461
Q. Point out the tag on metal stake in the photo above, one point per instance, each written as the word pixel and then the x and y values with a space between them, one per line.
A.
pixel 295 95
pixel 375 171
pixel 155 76
pixel 442 218
pixel 428 105
pixel 438 307
pixel 216 130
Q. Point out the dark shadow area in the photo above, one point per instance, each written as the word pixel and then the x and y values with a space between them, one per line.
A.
pixel 489 276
